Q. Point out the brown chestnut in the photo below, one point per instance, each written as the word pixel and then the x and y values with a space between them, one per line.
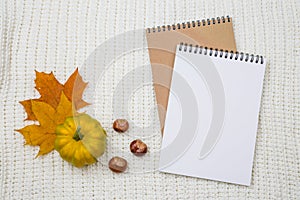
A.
pixel 120 125
pixel 117 164
pixel 138 147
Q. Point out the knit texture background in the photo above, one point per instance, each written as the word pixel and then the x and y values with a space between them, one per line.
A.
pixel 58 36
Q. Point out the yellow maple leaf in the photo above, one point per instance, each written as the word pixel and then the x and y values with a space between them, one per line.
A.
pixel 43 135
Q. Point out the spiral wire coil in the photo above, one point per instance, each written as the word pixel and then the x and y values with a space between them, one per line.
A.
pixel 191 24
pixel 221 53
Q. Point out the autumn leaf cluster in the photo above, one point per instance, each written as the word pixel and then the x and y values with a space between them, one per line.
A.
pixel 56 102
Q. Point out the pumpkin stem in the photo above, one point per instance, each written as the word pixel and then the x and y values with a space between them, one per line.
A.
pixel 77 135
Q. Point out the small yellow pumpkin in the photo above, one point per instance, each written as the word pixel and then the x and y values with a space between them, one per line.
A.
pixel 80 140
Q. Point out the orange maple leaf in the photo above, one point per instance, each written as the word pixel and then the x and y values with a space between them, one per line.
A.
pixel 43 135
pixel 51 89
pixel 73 89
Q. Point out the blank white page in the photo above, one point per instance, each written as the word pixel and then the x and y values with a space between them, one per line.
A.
pixel 212 116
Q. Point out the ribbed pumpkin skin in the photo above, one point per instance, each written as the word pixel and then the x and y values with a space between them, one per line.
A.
pixel 80 140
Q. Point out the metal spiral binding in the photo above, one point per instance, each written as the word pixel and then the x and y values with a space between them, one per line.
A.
pixel 185 25
pixel 221 53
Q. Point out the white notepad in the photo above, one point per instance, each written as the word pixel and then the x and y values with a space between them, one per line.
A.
pixel 212 116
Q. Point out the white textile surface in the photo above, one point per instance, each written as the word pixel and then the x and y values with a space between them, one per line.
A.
pixel 59 35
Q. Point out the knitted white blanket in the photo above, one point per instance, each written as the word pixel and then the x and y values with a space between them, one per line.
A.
pixel 59 36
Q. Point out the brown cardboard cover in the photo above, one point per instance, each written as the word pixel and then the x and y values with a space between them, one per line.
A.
pixel 162 42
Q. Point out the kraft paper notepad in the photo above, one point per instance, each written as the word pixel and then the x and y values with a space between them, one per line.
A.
pixel 162 41
pixel 212 116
